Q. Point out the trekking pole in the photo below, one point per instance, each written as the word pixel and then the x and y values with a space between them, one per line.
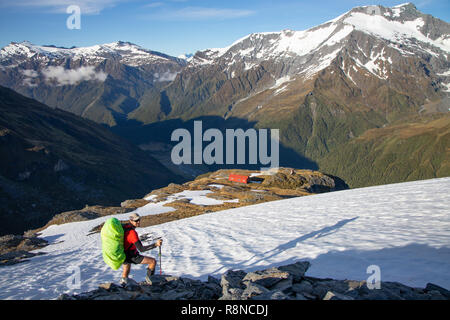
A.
pixel 160 271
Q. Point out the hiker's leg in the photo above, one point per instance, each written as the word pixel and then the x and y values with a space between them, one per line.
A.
pixel 150 262
pixel 126 270
pixel 150 269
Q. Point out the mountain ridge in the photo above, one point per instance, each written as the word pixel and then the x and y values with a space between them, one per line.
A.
pixel 322 87
pixel 52 160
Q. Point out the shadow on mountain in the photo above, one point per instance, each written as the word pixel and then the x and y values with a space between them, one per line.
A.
pixel 160 132
pixel 340 183
pixel 52 161
pixel 326 231
pixel 406 264
pixel 166 107
pixel 413 264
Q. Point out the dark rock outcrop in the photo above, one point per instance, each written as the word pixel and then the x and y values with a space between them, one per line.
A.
pixel 278 283
pixel 15 249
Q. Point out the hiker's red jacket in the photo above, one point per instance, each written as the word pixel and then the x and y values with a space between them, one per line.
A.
pixel 130 237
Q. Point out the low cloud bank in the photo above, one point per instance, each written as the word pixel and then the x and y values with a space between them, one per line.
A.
pixel 72 76
pixel 166 76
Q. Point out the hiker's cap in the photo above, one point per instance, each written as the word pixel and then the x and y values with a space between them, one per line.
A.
pixel 135 217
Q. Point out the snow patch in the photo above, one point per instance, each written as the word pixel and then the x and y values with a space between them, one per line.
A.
pixel 445 74
pixel 394 31
pixel 447 88
pixel 377 65
pixel 197 197
pixel 324 62
pixel 281 81
pixel 248 66
pixel 219 186
pixel 277 92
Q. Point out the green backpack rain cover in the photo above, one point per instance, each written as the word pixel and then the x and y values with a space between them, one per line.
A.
pixel 112 243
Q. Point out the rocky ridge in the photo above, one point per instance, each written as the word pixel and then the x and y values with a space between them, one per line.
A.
pixel 279 184
pixel 102 82
pixel 15 249
pixel 287 282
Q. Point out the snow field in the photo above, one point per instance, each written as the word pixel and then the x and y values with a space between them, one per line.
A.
pixel 404 229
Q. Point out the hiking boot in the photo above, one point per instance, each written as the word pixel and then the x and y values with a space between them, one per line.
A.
pixel 123 282
pixel 148 276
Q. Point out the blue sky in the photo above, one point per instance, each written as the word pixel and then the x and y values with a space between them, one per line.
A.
pixel 173 26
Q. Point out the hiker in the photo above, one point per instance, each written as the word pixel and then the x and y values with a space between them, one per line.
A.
pixel 133 246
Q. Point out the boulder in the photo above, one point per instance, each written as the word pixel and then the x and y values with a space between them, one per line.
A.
pixel 272 295
pixel 280 283
pixel 157 280
pixel 16 249
pixel 177 295
pixel 336 296
pixel 434 287
pixel 320 291
pixel 303 287
pixel 232 294
pixel 108 286
pixel 134 203
pixel 252 290
pixel 284 285
pixel 297 270
pixel 266 278
pixel 299 296
pixel 231 283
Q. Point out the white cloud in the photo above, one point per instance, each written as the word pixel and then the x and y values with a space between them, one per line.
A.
pixel 201 13
pixel 154 5
pixel 72 76
pixel 60 6
pixel 166 76
pixel 29 73
pixel 29 83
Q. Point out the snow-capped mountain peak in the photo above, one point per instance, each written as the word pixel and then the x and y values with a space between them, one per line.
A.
pixel 185 56
pixel 126 52
pixel 396 24
pixel 402 28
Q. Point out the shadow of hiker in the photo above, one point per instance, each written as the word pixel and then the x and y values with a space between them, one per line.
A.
pixel 326 231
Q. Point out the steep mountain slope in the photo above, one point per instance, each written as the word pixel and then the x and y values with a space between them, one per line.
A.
pixel 397 49
pixel 103 82
pixel 53 161
pixel 325 86
pixel 408 151
pixel 400 228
